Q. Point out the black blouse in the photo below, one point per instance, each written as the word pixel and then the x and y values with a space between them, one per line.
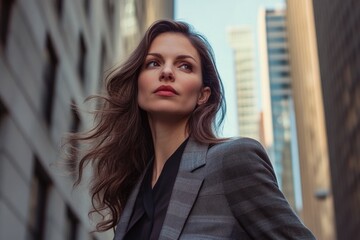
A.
pixel 151 203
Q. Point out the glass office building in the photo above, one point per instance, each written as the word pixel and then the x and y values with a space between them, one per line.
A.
pixel 277 98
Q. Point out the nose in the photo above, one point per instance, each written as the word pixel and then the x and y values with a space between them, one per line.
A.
pixel 167 74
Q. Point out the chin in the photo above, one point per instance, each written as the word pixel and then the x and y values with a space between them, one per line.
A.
pixel 169 113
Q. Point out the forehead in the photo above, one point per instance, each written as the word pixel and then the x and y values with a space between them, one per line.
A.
pixel 174 44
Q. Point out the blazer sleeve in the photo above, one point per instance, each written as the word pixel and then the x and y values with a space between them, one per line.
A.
pixel 252 192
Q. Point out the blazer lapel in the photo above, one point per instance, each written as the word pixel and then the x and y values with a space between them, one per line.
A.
pixel 187 185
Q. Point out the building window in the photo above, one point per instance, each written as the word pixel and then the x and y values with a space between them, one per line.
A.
pixel 109 7
pixel 276 29
pixel 3 113
pixel 5 13
pixel 72 224
pixel 279 74
pixel 82 58
pixel 74 128
pixel 277 51
pixel 39 189
pixel 102 66
pixel 280 86
pixel 272 18
pixel 278 62
pixel 51 64
pixel 75 123
pixel 277 40
pixel 2 110
pixel 87 6
pixel 59 7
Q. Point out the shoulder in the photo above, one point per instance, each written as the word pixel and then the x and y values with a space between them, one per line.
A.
pixel 238 145
pixel 251 190
pixel 242 155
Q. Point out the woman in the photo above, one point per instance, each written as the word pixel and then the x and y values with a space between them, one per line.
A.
pixel 160 171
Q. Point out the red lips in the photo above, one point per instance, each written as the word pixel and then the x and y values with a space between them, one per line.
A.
pixel 164 89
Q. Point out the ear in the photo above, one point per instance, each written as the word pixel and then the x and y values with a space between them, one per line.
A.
pixel 204 95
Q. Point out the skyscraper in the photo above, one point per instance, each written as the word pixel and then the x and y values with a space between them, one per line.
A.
pixel 276 98
pixel 242 43
pixel 52 54
pixel 338 37
pixel 318 212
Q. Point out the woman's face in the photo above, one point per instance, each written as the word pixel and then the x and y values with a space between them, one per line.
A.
pixel 170 82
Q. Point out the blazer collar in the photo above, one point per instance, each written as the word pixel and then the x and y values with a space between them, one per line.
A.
pixel 187 185
pixel 186 188
pixel 194 156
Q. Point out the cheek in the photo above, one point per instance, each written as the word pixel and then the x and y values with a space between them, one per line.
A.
pixel 146 80
pixel 193 89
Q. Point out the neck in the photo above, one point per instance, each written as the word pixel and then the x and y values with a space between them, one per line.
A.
pixel 167 137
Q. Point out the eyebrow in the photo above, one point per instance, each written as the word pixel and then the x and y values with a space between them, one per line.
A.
pixel 177 57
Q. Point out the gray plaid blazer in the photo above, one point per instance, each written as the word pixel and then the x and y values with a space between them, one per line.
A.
pixel 228 191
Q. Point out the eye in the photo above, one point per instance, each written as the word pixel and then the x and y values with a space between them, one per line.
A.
pixel 186 66
pixel 151 64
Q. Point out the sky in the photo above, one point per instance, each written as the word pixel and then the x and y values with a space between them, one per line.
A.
pixel 212 19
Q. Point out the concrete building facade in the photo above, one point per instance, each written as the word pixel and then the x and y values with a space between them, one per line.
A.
pixel 53 54
pixel 318 212
pixel 338 41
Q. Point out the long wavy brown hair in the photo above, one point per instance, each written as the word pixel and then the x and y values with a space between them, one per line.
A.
pixel 119 146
